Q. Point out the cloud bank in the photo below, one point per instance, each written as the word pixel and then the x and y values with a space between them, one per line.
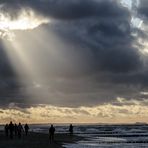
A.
pixel 85 55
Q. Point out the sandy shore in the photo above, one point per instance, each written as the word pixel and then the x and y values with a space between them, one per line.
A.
pixel 36 140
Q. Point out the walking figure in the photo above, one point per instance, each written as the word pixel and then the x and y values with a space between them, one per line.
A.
pixel 19 130
pixel 6 130
pixel 15 129
pixel 71 129
pixel 11 129
pixel 26 127
pixel 51 133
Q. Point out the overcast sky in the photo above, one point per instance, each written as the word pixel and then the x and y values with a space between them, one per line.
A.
pixel 87 58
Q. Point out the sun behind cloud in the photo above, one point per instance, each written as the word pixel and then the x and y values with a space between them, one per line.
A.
pixel 25 21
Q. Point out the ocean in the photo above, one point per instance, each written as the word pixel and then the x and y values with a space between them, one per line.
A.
pixel 103 136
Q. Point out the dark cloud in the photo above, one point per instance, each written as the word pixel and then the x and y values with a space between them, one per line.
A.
pixel 8 77
pixel 86 54
pixel 143 9
pixel 107 40
pixel 65 9
pixel 5 68
pixel 10 84
pixel 77 9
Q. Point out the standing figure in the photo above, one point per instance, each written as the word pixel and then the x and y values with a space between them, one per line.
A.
pixel 15 129
pixel 11 129
pixel 19 130
pixel 51 133
pixel 71 129
pixel 26 127
pixel 6 130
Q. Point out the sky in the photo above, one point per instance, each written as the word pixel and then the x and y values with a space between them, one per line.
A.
pixel 73 61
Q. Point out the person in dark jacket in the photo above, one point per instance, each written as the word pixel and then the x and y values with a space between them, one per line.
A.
pixel 6 130
pixel 15 129
pixel 71 129
pixel 51 133
pixel 11 129
pixel 19 130
pixel 26 127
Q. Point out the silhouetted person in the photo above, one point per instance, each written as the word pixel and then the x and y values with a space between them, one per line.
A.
pixel 51 133
pixel 19 130
pixel 6 130
pixel 26 127
pixel 71 129
pixel 11 129
pixel 15 129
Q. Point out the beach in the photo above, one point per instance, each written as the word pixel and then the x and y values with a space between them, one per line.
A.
pixel 36 140
pixel 85 136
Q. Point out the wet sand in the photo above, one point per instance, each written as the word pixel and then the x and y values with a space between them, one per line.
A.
pixel 37 140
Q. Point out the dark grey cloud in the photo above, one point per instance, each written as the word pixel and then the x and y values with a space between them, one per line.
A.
pixel 142 13
pixel 65 9
pixel 77 9
pixel 6 70
pixel 93 42
pixel 143 9
pixel 86 54
pixel 8 77
pixel 10 84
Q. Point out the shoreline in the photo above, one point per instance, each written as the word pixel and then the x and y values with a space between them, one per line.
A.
pixel 37 140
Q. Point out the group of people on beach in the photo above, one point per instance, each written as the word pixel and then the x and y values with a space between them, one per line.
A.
pixel 12 130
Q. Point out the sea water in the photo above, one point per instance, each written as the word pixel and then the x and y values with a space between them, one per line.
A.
pixel 112 136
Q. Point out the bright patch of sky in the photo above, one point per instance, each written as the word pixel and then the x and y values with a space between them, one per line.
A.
pixel 127 3
pixel 131 4
pixel 27 20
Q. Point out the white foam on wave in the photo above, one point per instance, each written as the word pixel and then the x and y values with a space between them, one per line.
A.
pixel 125 145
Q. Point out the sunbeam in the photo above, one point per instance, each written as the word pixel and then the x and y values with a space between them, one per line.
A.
pixel 27 59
